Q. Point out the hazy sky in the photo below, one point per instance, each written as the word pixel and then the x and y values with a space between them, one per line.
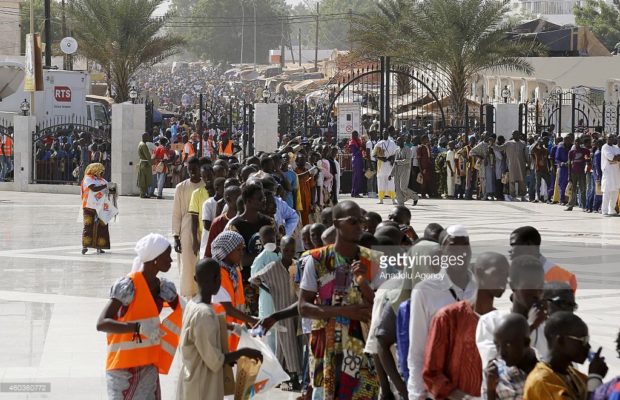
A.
pixel 164 7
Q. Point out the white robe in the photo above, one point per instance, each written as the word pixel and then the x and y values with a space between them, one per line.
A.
pixel 610 181
pixel 384 169
pixel 182 226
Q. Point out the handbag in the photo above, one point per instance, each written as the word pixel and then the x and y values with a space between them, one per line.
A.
pixel 568 192
pixel 229 376
pixel 420 178
pixel 369 174
pixel 159 168
pixel 599 190
pixel 505 178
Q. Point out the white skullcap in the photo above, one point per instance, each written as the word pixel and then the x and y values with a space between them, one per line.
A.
pixel 457 231
pixel 149 248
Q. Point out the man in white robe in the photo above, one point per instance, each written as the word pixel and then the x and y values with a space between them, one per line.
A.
pixel 384 151
pixel 610 183
pixel 182 228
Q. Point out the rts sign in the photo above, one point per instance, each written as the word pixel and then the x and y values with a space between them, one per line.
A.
pixel 62 94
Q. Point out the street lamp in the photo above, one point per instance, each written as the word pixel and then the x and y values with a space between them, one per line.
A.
pixel 25 107
pixel 266 94
pixel 133 95
pixel 506 93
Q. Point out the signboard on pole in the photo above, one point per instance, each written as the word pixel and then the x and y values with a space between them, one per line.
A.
pixel 30 78
pixel 266 127
pixel 349 120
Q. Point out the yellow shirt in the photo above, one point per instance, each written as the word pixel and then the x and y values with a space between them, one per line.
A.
pixel 545 384
pixel 199 196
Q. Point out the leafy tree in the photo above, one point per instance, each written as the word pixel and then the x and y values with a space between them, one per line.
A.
pixel 602 18
pixel 458 37
pixel 122 36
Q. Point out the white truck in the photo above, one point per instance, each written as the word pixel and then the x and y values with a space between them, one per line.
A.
pixel 63 97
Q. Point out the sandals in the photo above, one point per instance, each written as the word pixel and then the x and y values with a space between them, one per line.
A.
pixel 84 250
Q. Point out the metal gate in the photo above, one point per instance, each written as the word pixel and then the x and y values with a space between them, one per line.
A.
pixel 576 111
pixel 6 151
pixel 402 96
pixel 62 148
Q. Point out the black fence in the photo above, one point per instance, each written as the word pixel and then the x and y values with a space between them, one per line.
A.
pixel 63 147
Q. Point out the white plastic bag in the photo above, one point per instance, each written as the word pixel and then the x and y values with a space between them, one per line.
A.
pixel 543 189
pixel 271 372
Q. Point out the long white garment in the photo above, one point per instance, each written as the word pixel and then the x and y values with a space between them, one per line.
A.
pixel 182 226
pixel 450 178
pixel 611 169
pixel 427 297
pixel 385 186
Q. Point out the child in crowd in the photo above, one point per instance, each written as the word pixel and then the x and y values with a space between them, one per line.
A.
pixel 202 357
pixel 506 374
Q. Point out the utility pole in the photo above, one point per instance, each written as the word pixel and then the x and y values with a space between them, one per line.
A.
pixel 282 49
pixel 350 36
pixel 254 3
pixel 242 28
pixel 316 41
pixel 64 33
pixel 48 33
pixel 33 61
pixel 299 47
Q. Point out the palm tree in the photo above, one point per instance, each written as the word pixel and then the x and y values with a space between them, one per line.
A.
pixel 122 36
pixel 460 38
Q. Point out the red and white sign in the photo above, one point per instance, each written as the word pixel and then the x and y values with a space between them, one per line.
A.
pixel 62 94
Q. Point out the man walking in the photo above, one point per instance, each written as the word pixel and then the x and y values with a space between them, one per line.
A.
pixel 577 159
pixel 516 157
pixel 145 169
pixel 610 165
pixel 384 151
pixel 401 173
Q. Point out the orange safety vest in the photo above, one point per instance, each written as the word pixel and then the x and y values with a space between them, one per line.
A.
pixel 557 273
pixel 6 146
pixel 228 151
pixel 237 298
pixel 124 352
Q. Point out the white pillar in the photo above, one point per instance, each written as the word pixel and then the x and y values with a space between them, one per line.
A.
pixel 24 128
pixel 128 124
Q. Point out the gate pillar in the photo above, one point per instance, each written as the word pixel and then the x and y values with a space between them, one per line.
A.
pixel 128 125
pixel 24 128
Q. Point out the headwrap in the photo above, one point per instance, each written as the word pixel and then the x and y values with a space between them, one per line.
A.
pixel 224 244
pixel 221 247
pixel 457 231
pixel 149 248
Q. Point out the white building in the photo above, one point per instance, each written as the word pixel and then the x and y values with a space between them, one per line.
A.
pixel 557 11
pixel 10 32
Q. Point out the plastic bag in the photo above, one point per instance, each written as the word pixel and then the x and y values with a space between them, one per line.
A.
pixel 543 189
pixel 271 372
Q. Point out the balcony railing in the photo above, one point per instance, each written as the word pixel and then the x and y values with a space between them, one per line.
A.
pixel 547 7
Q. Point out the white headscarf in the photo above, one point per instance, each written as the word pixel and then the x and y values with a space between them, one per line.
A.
pixel 457 231
pixel 149 248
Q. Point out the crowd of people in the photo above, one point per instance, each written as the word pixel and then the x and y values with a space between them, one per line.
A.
pixel 574 170
pixel 354 306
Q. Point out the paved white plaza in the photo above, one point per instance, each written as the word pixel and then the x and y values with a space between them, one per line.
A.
pixel 51 295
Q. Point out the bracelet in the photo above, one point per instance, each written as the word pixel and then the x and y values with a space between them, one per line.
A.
pixel 594 381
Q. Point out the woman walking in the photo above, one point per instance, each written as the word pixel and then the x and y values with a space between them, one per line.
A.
pixel 94 190
pixel 357 164
pixel 140 346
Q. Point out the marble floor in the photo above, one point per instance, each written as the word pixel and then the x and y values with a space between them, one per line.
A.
pixel 51 295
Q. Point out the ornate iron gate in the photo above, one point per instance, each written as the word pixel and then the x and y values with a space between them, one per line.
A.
pixel 577 111
pixel 394 95
pixel 63 147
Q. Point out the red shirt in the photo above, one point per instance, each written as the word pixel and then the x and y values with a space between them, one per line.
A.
pixel 451 358
pixel 217 227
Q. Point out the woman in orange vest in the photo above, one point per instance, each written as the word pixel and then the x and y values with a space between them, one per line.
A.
pixel 140 346
pixel 227 249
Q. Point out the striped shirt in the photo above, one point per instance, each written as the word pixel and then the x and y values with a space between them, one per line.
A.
pixel 275 276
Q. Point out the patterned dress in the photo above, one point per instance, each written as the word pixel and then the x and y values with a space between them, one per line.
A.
pixel 338 363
